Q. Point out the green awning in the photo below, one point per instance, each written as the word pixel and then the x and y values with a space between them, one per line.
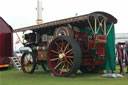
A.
pixel 110 49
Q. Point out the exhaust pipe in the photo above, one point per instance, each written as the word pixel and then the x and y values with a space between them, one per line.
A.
pixel 39 12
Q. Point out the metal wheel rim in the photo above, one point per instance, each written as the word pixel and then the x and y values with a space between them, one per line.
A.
pixel 61 57
pixel 28 63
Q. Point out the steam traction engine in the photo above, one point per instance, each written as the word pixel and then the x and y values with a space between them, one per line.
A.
pixel 64 46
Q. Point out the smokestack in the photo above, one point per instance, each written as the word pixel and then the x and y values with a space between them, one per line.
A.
pixel 39 12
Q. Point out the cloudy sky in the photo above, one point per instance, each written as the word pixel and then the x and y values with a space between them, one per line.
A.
pixel 22 13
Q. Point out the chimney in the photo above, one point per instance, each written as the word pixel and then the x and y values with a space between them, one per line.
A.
pixel 39 12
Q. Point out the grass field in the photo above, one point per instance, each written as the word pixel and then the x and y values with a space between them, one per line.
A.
pixel 14 77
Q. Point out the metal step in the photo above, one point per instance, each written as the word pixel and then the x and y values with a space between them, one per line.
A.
pixel 16 63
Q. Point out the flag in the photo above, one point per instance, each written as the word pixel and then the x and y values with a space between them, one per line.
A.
pixel 17 41
pixel 76 14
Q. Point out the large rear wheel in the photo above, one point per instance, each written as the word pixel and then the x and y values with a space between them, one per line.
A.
pixel 64 56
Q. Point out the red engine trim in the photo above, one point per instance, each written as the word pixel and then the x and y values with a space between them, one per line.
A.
pixel 97 41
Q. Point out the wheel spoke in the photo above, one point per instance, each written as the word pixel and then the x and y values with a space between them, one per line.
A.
pixel 66 47
pixel 54 51
pixel 68 51
pixel 58 49
pixel 69 63
pixel 56 55
pixel 62 69
pixel 57 45
pixel 27 68
pixel 30 58
pixel 70 60
pixel 69 56
pixel 67 67
pixel 62 45
pixel 24 61
pixel 58 64
pixel 27 58
pixel 54 59
pixel 27 63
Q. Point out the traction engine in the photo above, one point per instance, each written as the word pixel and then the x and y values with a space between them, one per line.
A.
pixel 64 46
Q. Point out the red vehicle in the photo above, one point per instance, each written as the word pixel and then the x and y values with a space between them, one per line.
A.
pixel 69 44
pixel 6 43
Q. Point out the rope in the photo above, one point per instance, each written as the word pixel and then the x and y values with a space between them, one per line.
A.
pixel 19 38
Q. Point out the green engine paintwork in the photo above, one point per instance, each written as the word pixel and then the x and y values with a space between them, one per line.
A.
pixel 109 48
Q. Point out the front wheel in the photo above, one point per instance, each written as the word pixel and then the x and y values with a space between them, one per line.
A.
pixel 28 62
pixel 64 56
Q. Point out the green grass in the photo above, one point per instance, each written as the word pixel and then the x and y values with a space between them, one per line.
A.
pixel 14 77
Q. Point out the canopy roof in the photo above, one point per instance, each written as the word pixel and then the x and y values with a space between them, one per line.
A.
pixel 106 16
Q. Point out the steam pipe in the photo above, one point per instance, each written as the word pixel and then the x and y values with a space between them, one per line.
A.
pixel 39 12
